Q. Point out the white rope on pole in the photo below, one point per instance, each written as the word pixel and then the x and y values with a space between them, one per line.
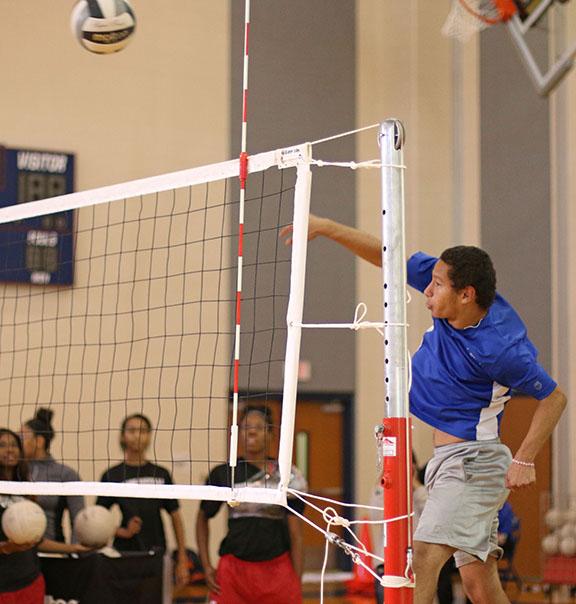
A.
pixel 350 132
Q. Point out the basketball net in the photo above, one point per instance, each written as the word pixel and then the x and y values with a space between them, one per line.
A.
pixel 470 16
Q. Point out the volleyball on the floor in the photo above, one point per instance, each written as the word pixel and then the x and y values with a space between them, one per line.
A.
pixel 566 530
pixel 554 518
pixel 94 526
pixel 551 544
pixel 570 515
pixel 24 522
pixel 103 26
pixel 568 546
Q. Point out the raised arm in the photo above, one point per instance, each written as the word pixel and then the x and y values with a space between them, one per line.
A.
pixel 543 422
pixel 360 243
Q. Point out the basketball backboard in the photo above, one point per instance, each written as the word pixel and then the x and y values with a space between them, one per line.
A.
pixel 531 8
pixel 520 16
pixel 549 17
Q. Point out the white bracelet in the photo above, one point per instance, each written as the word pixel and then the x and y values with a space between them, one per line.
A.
pixel 526 464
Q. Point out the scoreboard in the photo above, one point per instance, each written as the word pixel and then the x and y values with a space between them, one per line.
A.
pixel 36 250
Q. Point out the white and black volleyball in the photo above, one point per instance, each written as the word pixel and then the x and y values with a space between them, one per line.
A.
pixel 103 26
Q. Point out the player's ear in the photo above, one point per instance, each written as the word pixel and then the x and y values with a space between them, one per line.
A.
pixel 468 294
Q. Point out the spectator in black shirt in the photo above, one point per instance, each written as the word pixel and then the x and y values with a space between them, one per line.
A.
pixel 141 528
pixel 261 555
pixel 20 577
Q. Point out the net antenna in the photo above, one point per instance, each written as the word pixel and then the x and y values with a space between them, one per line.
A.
pixel 467 17
pixel 243 176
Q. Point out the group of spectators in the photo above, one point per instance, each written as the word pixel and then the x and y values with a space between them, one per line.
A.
pixel 261 539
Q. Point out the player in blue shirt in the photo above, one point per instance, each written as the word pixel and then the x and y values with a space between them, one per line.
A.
pixel 472 360
pixel 476 351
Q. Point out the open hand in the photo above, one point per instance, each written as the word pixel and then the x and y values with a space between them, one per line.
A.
pixel 315 228
pixel 182 572
pixel 134 525
pixel 211 581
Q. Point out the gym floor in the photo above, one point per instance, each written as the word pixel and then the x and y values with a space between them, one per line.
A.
pixel 532 593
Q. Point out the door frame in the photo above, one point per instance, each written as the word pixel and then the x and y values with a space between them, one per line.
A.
pixel 348 430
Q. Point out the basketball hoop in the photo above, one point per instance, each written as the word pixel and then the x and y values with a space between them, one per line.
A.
pixel 470 16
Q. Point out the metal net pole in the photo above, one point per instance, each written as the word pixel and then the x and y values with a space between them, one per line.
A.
pixel 395 438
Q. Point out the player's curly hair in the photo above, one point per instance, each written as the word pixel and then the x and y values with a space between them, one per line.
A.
pixel 469 265
pixel 41 425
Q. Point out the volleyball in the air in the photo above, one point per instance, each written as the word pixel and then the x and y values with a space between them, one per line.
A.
pixel 103 26
pixel 24 522
pixel 94 526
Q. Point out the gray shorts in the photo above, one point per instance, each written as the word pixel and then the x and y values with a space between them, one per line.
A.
pixel 465 483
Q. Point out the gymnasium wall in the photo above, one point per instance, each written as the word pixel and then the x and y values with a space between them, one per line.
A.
pixel 563 287
pixel 305 85
pixel 302 88
pixel 160 105
pixel 489 163
pixel 528 218
pixel 516 219
pixel 315 72
pixel 404 70
pixel 171 101
pixel 516 181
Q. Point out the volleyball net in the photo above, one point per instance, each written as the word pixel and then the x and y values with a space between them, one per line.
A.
pixel 148 325
pixel 185 306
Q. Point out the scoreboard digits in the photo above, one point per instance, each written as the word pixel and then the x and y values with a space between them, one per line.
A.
pixel 33 186
pixel 36 250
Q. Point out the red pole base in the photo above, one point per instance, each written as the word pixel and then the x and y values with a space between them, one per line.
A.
pixel 397 484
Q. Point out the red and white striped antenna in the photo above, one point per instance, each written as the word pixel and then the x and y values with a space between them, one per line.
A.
pixel 243 175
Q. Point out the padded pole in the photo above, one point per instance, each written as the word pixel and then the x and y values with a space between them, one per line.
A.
pixel 396 441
